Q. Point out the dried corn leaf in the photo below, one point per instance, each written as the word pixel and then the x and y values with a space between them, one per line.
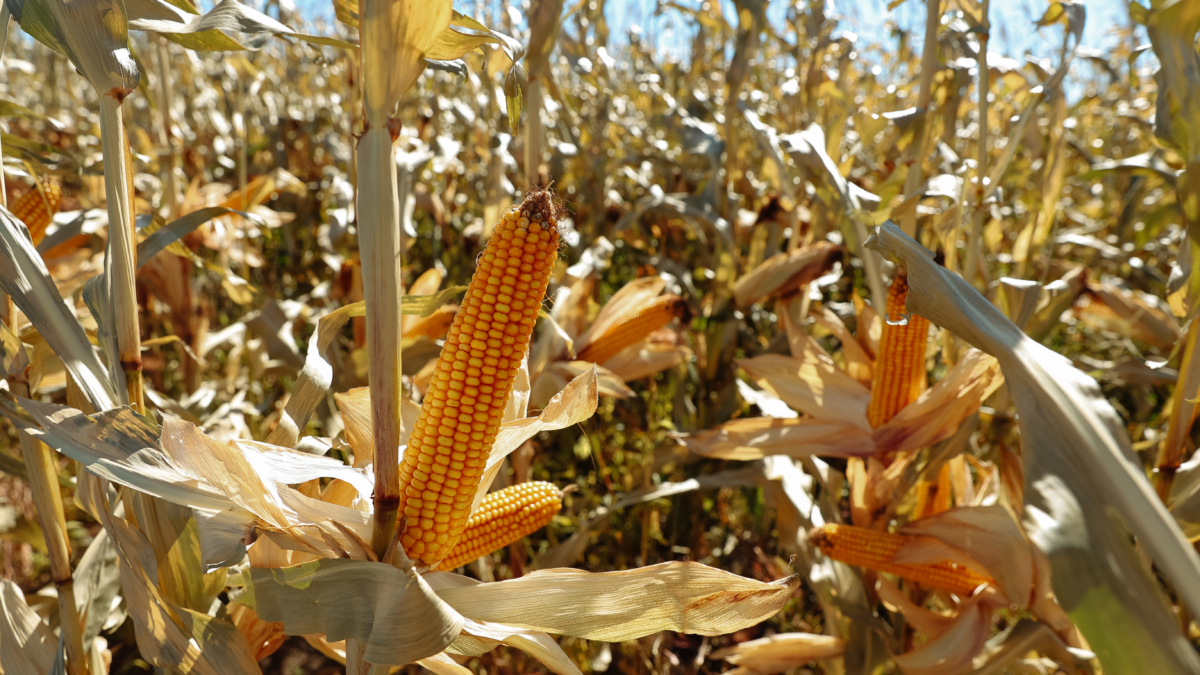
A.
pixel 1109 308
pixel 575 403
pixel 625 301
pixel 780 653
pixel 859 364
pixel 117 445
pixel 315 378
pixel 1083 487
pixel 95 36
pixel 785 273
pixel 953 651
pixel 682 596
pixel 609 383
pixel 24 277
pixel 646 359
pixel 399 621
pixel 26 644
pixel 758 437
pixel 812 386
pixel 939 411
pixel 168 635
pixel 355 406
pixel 989 535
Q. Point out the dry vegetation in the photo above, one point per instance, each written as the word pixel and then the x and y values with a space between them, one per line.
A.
pixel 814 396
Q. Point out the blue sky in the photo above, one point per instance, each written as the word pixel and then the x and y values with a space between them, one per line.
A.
pixel 1013 31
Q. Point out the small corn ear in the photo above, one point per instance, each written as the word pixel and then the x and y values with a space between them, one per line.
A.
pixel 36 208
pixel 875 550
pixel 505 516
pixel 899 377
pixel 634 327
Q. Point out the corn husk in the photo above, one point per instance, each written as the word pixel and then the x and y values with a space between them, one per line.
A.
pixel 1082 487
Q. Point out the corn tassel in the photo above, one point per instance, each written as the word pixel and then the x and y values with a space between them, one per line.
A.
pixel 505 516
pixel 473 378
pixel 899 375
pixel 36 209
pixel 633 328
pixel 875 550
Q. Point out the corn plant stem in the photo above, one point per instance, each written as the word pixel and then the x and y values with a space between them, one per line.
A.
pixel 7 308
pixel 120 260
pixel 912 182
pixel 981 155
pixel 379 246
pixel 533 132
pixel 167 158
pixel 1171 449
pixel 48 503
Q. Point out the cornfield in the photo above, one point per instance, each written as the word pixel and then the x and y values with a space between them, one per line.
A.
pixel 493 340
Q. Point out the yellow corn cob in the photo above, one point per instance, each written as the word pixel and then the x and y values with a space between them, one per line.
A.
pixel 473 378
pixel 435 325
pixel 634 327
pixel 875 550
pixel 36 210
pixel 900 365
pixel 503 517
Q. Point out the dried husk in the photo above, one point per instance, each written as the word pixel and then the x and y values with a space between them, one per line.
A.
pixel 1082 485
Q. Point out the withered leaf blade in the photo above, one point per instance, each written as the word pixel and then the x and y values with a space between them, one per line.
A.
pixel 681 596
pixel 400 621
pixel 758 437
pixel 25 278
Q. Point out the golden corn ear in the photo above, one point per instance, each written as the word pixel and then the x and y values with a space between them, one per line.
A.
pixel 474 376
pixel 36 210
pixel 503 517
pixel 634 327
pixel 875 550
pixel 900 365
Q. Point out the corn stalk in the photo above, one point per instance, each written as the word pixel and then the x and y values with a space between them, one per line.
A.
pixel 543 27
pixel 981 155
pixel 929 60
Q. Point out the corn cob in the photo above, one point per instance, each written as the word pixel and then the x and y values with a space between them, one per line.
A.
pixel 36 210
pixel 435 325
pixel 875 550
pixel 900 365
pixel 473 378
pixel 634 327
pixel 505 516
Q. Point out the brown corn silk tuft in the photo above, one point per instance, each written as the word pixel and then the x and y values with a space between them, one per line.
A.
pixel 900 365
pixel 474 377
pixel 630 330
pixel 875 550
pixel 505 516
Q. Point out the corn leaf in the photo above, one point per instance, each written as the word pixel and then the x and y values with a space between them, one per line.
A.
pixel 26 644
pixel 24 277
pixel 682 596
pixel 399 621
